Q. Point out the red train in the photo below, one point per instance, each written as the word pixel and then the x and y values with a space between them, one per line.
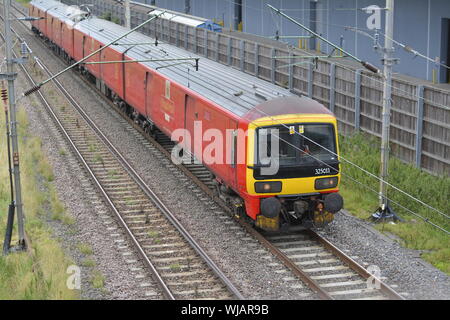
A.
pixel 274 155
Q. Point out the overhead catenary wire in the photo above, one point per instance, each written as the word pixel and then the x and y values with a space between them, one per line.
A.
pixel 365 64
pixel 379 81
pixel 362 74
pixel 357 29
pixel 381 180
pixel 39 85
pixel 367 172
pixel 373 175
pixel 407 94
pixel 357 166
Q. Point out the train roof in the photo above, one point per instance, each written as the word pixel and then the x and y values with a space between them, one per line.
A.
pixel 67 14
pixel 177 18
pixel 231 89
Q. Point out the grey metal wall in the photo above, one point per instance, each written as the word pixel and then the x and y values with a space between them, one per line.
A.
pixel 420 122
pixel 418 23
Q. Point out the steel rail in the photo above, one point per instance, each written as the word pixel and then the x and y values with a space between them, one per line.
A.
pixel 147 190
pixel 355 266
pixel 46 104
pixel 287 262
pixel 312 284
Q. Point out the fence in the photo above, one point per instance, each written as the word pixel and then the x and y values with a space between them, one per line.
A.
pixel 420 119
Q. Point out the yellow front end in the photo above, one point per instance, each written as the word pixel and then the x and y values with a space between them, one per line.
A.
pixel 303 186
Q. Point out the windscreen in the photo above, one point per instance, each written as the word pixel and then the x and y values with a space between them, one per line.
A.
pixel 299 146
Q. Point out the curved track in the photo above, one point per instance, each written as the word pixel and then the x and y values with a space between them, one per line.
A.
pixel 177 263
pixel 328 271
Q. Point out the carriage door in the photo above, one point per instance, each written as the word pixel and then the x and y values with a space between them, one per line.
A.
pixel 61 39
pixel 83 51
pixel 49 30
pixel 190 116
pixel 232 145
pixel 148 94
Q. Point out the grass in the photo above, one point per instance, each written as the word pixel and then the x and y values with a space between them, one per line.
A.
pixel 85 249
pixel 414 233
pixel 98 158
pixel 113 173
pixel 153 234
pixel 175 267
pixel 58 208
pixel 92 147
pixel 23 2
pixel 41 274
pixel 88 263
pixel 97 279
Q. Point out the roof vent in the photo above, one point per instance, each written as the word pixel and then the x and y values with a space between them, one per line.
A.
pixel 259 95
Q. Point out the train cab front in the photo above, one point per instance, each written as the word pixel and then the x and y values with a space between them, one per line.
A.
pixel 293 172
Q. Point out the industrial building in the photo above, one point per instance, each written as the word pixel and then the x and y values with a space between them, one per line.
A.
pixel 422 25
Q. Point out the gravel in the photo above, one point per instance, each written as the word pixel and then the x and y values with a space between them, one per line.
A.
pixel 415 278
pixel 91 216
pixel 254 271
pixel 241 258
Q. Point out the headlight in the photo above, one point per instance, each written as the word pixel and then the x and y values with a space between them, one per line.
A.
pixel 268 187
pixel 326 183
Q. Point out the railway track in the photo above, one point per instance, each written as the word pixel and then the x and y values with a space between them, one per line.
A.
pixel 177 263
pixel 328 271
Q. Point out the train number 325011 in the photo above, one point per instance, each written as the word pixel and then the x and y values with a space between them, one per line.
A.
pixel 322 171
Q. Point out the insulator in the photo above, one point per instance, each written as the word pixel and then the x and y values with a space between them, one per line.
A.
pixel 30 91
pixel 4 94
pixel 23 49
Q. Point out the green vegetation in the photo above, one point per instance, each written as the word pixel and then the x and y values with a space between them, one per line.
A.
pixel 40 274
pixel 23 2
pixel 98 279
pixel 98 158
pixel 89 263
pixel 112 173
pixel 92 147
pixel 175 267
pixel 362 202
pixel 153 234
pixel 85 249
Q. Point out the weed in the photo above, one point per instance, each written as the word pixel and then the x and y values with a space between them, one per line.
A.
pixel 98 158
pixel 92 147
pixel 42 275
pixel 361 202
pixel 113 173
pixel 153 234
pixel 98 279
pixel 88 263
pixel 175 266
pixel 85 249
